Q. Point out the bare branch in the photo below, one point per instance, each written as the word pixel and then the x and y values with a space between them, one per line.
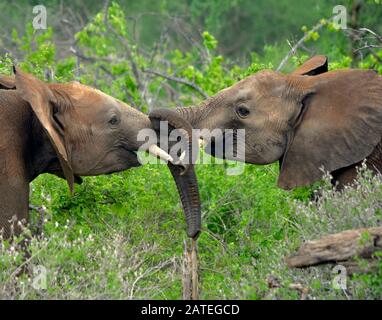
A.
pixel 367 47
pixel 378 37
pixel 178 80
pixel 298 44
pixel 367 39
pixel 129 53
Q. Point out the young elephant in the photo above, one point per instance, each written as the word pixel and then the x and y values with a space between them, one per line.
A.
pixel 69 130
pixel 307 120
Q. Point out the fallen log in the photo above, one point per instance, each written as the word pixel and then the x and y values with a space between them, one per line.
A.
pixel 342 247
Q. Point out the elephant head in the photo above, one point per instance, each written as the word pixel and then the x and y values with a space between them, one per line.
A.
pixel 93 133
pixel 307 120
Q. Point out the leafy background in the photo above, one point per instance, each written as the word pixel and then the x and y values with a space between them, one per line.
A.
pixel 121 236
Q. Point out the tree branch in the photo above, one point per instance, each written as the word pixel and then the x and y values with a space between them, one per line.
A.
pixel 178 80
pixel 299 43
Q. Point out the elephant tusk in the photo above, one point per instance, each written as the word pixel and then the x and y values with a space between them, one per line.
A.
pixel 160 153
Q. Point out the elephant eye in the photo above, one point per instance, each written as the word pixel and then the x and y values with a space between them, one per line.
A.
pixel 113 121
pixel 242 111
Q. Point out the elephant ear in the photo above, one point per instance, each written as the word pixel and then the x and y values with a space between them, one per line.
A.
pixel 314 66
pixel 7 82
pixel 341 125
pixel 44 105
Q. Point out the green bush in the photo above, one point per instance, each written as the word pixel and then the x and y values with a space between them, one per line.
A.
pixel 121 237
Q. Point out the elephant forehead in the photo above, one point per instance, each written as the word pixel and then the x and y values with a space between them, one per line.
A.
pixel 95 100
pixel 97 97
pixel 84 92
pixel 263 83
pixel 80 94
pixel 243 93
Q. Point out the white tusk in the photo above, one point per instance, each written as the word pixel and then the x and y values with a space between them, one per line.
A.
pixel 160 153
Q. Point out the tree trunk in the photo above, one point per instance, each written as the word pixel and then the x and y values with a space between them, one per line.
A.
pixel 190 271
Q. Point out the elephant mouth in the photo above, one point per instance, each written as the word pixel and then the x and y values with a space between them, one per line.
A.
pixel 131 157
pixel 114 161
pixel 227 146
pixel 216 147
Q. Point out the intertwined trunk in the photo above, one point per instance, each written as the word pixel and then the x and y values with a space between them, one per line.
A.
pixel 183 172
pixel 202 115
pixel 186 119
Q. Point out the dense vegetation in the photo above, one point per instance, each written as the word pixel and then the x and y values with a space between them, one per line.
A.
pixel 121 236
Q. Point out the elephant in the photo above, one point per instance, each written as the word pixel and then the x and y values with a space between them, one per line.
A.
pixel 309 120
pixel 72 130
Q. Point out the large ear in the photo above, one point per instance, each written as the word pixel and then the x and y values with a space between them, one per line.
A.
pixel 7 82
pixel 42 101
pixel 313 66
pixel 341 125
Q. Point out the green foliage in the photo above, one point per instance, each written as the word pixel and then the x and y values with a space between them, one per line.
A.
pixel 109 235
pixel 6 64
pixel 121 236
pixel 37 48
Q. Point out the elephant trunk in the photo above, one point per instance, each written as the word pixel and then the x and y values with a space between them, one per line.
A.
pixel 182 171
pixel 194 114
pixel 187 186
pixel 201 116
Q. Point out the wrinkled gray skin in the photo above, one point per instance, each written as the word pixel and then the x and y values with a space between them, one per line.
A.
pixel 305 120
pixel 69 130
